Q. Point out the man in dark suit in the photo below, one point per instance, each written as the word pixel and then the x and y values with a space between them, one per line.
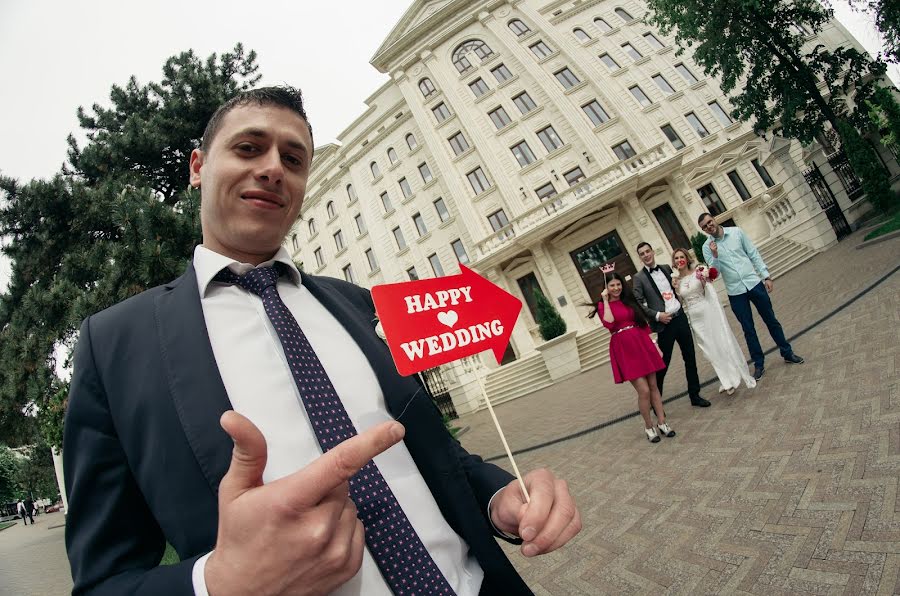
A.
pixel 190 420
pixel 653 290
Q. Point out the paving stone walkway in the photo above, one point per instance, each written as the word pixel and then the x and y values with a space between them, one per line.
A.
pixel 33 558
pixel 787 489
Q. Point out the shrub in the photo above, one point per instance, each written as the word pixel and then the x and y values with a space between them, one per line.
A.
pixel 548 318
pixel 867 166
pixel 697 241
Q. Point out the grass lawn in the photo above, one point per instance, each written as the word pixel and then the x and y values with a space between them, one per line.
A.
pixel 4 525
pixel 890 225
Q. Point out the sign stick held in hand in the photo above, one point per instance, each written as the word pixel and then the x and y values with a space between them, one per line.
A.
pixel 431 322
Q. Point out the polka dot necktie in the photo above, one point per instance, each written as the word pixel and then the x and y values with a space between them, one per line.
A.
pixel 393 543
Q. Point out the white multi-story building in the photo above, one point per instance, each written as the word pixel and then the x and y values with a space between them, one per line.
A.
pixel 537 141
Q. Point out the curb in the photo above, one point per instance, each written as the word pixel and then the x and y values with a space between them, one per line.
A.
pixel 882 238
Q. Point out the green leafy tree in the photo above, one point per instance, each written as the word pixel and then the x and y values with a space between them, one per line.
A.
pixel 36 477
pixel 549 321
pixel 865 162
pixel 886 17
pixel 756 48
pixel 116 221
pixel 9 470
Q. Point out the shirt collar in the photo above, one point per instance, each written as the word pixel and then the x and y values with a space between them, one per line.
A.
pixel 207 263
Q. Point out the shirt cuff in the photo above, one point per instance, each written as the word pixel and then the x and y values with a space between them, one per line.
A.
pixel 656 316
pixel 499 532
pixel 197 575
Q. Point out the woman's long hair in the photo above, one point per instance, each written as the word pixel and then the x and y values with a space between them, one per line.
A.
pixel 627 298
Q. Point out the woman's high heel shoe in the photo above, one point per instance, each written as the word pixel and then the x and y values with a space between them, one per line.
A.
pixel 652 435
pixel 666 430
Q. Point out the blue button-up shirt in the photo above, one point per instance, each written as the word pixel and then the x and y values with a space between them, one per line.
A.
pixel 738 262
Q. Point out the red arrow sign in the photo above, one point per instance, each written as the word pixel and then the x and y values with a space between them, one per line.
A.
pixel 435 321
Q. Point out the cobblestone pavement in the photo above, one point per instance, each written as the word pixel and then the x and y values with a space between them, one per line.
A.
pixel 33 558
pixel 789 488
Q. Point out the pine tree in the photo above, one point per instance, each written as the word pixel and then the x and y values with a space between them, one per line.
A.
pixel 116 221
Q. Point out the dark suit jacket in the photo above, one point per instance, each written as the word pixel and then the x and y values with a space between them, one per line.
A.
pixel 144 452
pixel 649 296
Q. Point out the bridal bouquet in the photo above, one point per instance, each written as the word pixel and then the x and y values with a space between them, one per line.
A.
pixel 706 274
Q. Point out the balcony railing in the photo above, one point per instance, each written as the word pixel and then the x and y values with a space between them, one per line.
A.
pixel 559 204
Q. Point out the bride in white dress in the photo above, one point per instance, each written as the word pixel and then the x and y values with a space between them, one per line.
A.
pixel 708 322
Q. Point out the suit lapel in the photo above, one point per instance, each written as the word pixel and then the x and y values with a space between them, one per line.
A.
pixel 396 389
pixel 652 283
pixel 192 375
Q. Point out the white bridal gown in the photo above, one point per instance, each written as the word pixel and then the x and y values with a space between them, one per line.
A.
pixel 713 335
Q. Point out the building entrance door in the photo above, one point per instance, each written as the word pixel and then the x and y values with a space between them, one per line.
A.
pixel 671 227
pixel 589 258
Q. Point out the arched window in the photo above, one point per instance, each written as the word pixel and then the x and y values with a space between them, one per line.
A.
pixel 623 14
pixel 518 27
pixel 295 242
pixel 426 87
pixel 602 25
pixel 481 49
pixel 392 155
pixel 351 194
pixel 376 171
pixel 329 208
pixel 411 141
pixel 581 35
pixel 312 227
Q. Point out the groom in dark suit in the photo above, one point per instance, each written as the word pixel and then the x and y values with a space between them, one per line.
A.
pixel 248 414
pixel 654 292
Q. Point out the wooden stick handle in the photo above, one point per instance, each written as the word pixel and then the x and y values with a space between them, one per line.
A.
pixel 503 439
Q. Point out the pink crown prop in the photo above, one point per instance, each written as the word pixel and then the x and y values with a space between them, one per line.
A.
pixel 608 268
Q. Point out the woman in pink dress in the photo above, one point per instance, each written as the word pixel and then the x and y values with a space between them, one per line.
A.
pixel 633 355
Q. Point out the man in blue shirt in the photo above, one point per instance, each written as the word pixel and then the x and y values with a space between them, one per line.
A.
pixel 747 280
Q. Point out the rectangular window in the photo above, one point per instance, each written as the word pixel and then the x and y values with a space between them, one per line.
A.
pixel 399 239
pixel 631 52
pixel 420 224
pixel 478 180
pixel 711 199
pixel 695 123
pixel 566 78
pixel 425 172
pixel 574 176
pixel 458 143
pixel 720 114
pixel 501 73
pixel 540 49
pixel 339 241
pixel 499 117
pixel 546 191
pixel 673 136
pixel 478 87
pixel 411 272
pixel 441 209
pixel 370 257
pixel 460 251
pixel 610 63
pixel 623 150
pixel 640 96
pixel 652 41
pixel 663 84
pixel 550 139
pixel 360 223
pixel 348 274
pixel 440 112
pixel 386 202
pixel 738 185
pixel 685 73
pixel 436 265
pixel 498 220
pixel 522 153
pixel 524 102
pixel 405 188
pixel 763 173
pixel 595 112
pixel 320 260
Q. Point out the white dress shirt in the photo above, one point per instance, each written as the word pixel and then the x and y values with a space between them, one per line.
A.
pixel 672 305
pixel 260 386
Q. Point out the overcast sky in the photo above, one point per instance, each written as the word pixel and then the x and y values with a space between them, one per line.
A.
pixel 58 55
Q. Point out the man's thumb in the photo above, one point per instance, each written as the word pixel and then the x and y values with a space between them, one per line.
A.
pixel 248 458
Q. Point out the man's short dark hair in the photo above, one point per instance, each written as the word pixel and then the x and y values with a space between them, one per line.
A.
pixel 282 96
pixel 703 216
pixel 647 244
